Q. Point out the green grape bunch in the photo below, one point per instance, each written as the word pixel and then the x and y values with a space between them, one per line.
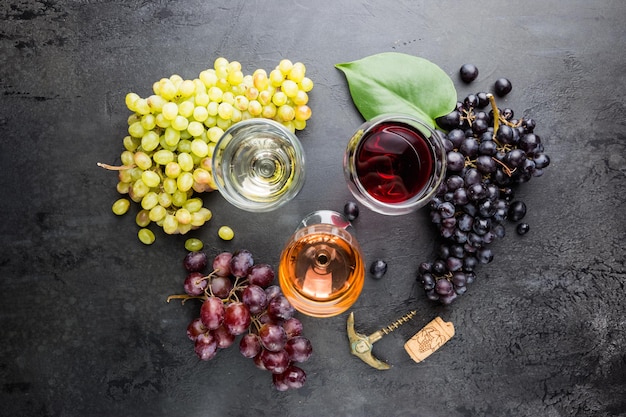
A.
pixel 172 135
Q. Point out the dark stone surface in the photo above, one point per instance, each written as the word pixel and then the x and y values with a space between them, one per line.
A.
pixel 84 326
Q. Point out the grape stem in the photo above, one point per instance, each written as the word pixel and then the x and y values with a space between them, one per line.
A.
pixel 185 297
pixel 114 167
pixel 508 171
pixel 496 116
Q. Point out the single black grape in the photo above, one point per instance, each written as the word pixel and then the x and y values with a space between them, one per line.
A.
pixel 502 87
pixel 541 161
pixel 468 72
pixel 450 121
pixel 456 136
pixel 517 211
pixel 378 268
pixel 485 164
pixel 483 100
pixel 470 101
pixel 480 126
pixel 505 135
pixel 351 210
pixel 456 161
pixel 523 228
pixel 515 158
pixel 507 113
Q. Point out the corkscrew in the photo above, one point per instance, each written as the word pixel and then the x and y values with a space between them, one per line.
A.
pixel 361 345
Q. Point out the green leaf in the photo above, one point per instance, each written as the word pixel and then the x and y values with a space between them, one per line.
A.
pixel 393 82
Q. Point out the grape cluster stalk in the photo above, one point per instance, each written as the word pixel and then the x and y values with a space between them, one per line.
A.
pixel 489 153
pixel 239 299
pixel 172 135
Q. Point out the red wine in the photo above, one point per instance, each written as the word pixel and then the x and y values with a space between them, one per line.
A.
pixel 393 162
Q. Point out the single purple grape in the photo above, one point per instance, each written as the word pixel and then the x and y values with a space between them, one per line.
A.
pixel 195 283
pixel 261 275
pixel 212 312
pixel 299 349
pixel 221 264
pixel 240 263
pixel 273 337
pixel 237 318
pixel 250 345
pixel 195 261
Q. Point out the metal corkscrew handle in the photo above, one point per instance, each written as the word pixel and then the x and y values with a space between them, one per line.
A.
pixel 361 345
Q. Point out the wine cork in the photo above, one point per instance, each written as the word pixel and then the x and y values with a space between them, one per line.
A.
pixel 425 342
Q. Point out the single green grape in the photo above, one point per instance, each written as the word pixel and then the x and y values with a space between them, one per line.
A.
pixel 226 233
pixel 286 113
pixel 197 219
pixel 123 187
pixel 285 66
pixel 185 161
pixel 279 98
pixel 300 98
pixel 170 110
pixel 186 88
pixel 130 100
pixel 149 200
pixel 170 224
pixel 297 72
pixel 121 206
pixel 136 130
pixel 146 236
pixel 306 84
pixel 193 204
pixel 148 122
pixel 142 160
pixel 165 199
pixel 290 88
pixel 150 141
pixel 195 128
pixel 276 77
pixel 180 123
pixel 225 110
pixel 179 197
pixel 157 213
pixel 143 218
pixel 140 188
pixel 199 148
pixel 151 178
pixel 184 181
pixel 186 108
pixel 193 244
pixel 163 156
pixel 183 216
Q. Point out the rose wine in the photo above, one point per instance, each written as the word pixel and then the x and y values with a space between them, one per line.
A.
pixel 394 162
pixel 321 270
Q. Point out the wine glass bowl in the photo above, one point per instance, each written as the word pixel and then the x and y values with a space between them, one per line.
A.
pixel 258 165
pixel 394 164
pixel 321 269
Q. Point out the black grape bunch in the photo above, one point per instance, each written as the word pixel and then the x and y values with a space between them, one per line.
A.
pixel 489 153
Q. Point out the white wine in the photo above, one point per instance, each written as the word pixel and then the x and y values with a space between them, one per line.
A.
pixel 258 165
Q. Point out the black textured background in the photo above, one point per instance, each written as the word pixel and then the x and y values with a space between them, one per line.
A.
pixel 84 326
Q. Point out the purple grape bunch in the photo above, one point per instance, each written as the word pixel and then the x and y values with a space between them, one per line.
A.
pixel 239 299
pixel 489 153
